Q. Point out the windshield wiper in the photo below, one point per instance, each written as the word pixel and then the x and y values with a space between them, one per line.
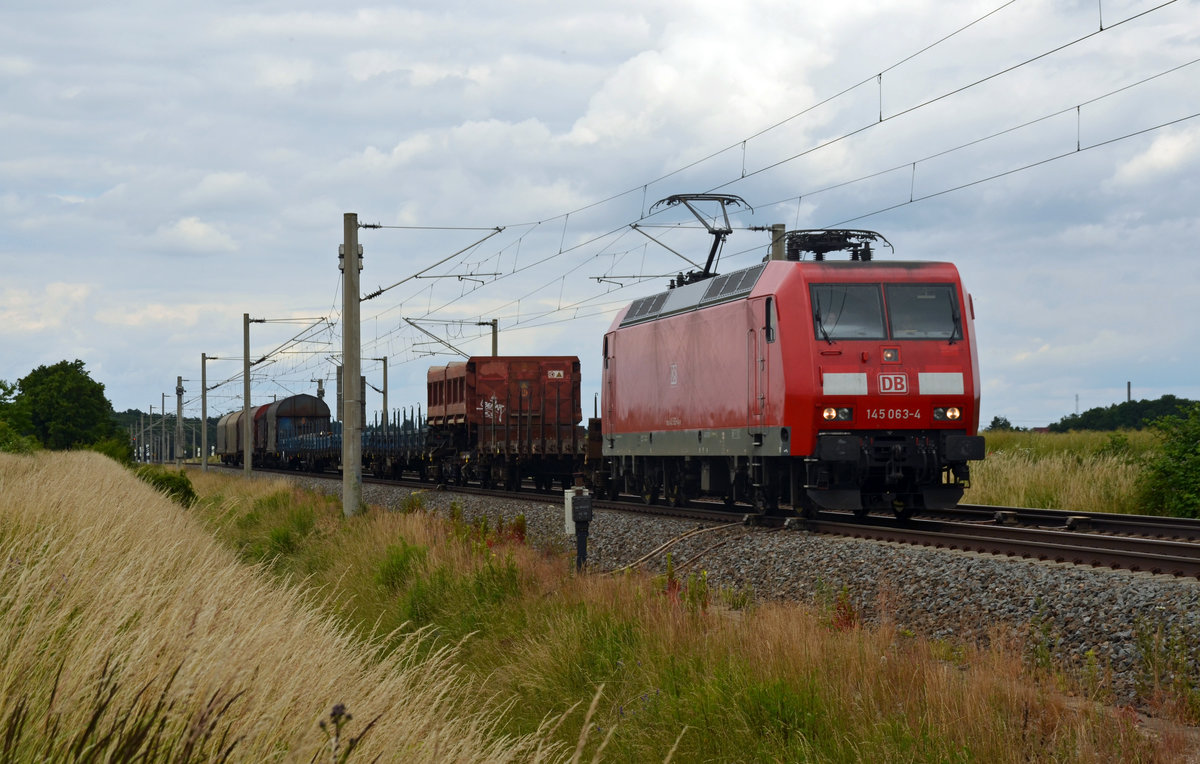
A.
pixel 958 328
pixel 821 325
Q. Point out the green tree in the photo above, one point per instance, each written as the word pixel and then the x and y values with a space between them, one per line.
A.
pixel 67 408
pixel 1171 481
pixel 1000 423
pixel 14 421
pixel 1128 415
pixel 13 442
pixel 13 409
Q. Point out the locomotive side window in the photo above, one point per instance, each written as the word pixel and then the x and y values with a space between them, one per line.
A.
pixel 771 320
pixel 847 312
pixel 924 312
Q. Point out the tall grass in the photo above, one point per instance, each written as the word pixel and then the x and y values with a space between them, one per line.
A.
pixel 676 671
pixel 1082 471
pixel 126 632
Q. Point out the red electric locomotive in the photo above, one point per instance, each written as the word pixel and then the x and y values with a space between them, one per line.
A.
pixel 821 384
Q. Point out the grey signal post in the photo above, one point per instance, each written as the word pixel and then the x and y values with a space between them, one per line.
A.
pixel 385 401
pixel 179 422
pixel 162 428
pixel 247 428
pixel 495 324
pixel 352 403
pixel 204 412
pixel 204 359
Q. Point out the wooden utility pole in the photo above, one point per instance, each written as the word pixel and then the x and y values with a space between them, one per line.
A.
pixel 350 263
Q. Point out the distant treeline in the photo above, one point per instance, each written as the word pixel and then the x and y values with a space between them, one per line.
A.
pixel 1131 415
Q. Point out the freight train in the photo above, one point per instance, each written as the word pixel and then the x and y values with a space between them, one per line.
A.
pixel 797 382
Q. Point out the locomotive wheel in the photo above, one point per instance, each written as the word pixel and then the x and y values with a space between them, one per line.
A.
pixel 649 491
pixel 677 497
pixel 674 488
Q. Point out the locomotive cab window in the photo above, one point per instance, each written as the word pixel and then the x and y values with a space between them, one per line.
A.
pixel 770 320
pixel 847 312
pixel 924 312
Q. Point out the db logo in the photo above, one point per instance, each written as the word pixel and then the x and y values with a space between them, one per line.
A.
pixel 893 384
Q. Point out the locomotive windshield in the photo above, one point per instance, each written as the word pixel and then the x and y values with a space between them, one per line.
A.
pixel 913 312
pixel 847 312
pixel 923 312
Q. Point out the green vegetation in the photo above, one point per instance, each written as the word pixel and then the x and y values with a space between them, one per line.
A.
pixel 128 634
pixel 13 442
pixel 59 407
pixel 67 408
pixel 176 485
pixel 1130 415
pixel 667 659
pixel 1170 482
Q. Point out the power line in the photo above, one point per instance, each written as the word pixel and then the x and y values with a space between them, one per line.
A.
pixel 607 238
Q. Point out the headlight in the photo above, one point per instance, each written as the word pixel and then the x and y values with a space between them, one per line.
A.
pixel 950 414
pixel 841 415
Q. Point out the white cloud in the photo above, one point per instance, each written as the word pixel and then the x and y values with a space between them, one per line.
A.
pixel 26 312
pixel 153 315
pixel 226 188
pixel 1170 154
pixel 192 235
pixel 283 73
pixel 365 64
pixel 15 66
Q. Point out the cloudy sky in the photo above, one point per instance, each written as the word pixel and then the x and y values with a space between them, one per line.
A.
pixel 165 168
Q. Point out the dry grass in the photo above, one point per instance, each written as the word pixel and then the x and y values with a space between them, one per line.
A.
pixel 96 570
pixel 1096 483
pixel 1081 471
pixel 99 567
pixel 803 687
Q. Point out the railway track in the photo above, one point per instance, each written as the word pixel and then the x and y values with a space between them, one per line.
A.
pixel 1139 543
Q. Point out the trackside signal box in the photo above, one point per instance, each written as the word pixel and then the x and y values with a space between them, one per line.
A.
pixel 577 505
pixel 577 508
